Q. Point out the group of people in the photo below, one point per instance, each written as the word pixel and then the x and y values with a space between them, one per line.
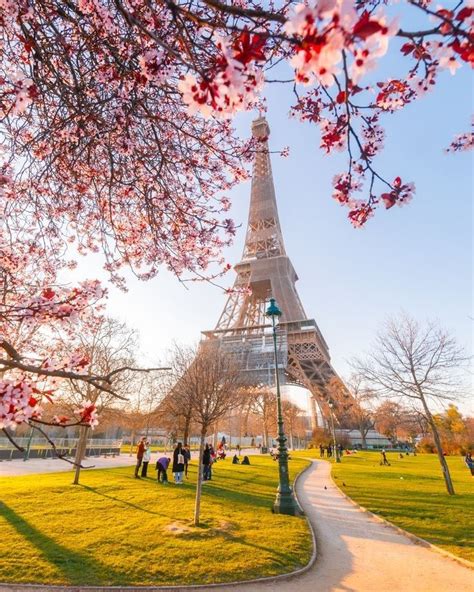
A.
pixel 236 460
pixel 181 458
pixel 329 450
pixel 180 461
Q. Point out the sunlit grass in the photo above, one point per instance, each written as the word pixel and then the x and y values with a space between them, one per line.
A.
pixel 116 530
pixel 411 494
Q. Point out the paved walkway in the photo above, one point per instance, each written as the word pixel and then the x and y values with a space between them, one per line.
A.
pixel 356 553
pixel 55 465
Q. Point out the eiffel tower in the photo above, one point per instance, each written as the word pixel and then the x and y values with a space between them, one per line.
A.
pixel 266 271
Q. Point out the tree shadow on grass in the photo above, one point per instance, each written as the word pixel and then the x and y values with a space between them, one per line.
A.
pixel 74 566
pixel 251 499
pixel 120 501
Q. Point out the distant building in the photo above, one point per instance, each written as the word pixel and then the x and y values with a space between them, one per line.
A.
pixel 373 438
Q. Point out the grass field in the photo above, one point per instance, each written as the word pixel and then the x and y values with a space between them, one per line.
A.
pixel 116 530
pixel 411 494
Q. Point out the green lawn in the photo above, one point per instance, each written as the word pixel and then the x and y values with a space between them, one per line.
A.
pixel 116 530
pixel 411 494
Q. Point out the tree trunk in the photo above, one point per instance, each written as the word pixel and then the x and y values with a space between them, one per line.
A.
pixel 197 503
pixel 132 441
pixel 439 448
pixel 80 451
pixel 187 423
pixel 363 435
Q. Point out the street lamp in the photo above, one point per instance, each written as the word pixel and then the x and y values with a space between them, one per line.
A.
pixel 285 502
pixel 336 450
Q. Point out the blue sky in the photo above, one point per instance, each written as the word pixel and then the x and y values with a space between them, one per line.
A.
pixel 417 258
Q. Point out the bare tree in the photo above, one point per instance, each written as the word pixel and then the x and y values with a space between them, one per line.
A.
pixel 417 363
pixel 210 383
pixel 147 391
pixel 109 345
pixel 292 416
pixel 262 403
pixel 362 415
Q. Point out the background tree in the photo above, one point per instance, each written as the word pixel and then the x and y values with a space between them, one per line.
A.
pixel 453 430
pixel 292 416
pixel 418 364
pixel 109 345
pixel 211 382
pixel 361 413
pixel 146 393
pixel 388 418
pixel 262 402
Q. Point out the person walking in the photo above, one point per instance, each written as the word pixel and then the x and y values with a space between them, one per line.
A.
pixel 469 462
pixel 329 451
pixel 187 460
pixel 206 463
pixel 162 465
pixel 146 458
pixel 178 464
pixel 384 460
pixel 140 453
pixel 321 451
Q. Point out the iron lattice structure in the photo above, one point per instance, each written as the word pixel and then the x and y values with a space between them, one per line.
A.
pixel 266 271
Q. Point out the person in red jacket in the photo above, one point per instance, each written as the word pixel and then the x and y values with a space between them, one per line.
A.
pixel 140 453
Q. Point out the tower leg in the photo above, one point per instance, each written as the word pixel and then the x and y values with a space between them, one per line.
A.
pixel 313 413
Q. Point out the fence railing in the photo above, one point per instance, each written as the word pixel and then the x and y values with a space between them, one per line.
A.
pixel 40 448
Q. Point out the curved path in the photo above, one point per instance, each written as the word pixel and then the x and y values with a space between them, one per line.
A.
pixel 356 553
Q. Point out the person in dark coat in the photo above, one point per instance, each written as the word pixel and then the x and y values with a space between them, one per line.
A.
pixel 206 463
pixel 246 460
pixel 235 460
pixel 178 464
pixel 187 459
pixel 469 462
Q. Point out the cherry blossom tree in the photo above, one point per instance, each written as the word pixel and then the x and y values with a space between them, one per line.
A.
pixel 41 323
pixel 35 315
pixel 116 113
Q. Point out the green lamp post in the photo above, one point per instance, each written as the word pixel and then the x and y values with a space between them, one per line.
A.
pixel 285 502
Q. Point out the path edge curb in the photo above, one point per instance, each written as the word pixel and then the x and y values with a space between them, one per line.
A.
pixel 6 587
pixel 413 537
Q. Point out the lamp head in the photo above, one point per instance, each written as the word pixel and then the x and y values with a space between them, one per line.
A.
pixel 273 310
